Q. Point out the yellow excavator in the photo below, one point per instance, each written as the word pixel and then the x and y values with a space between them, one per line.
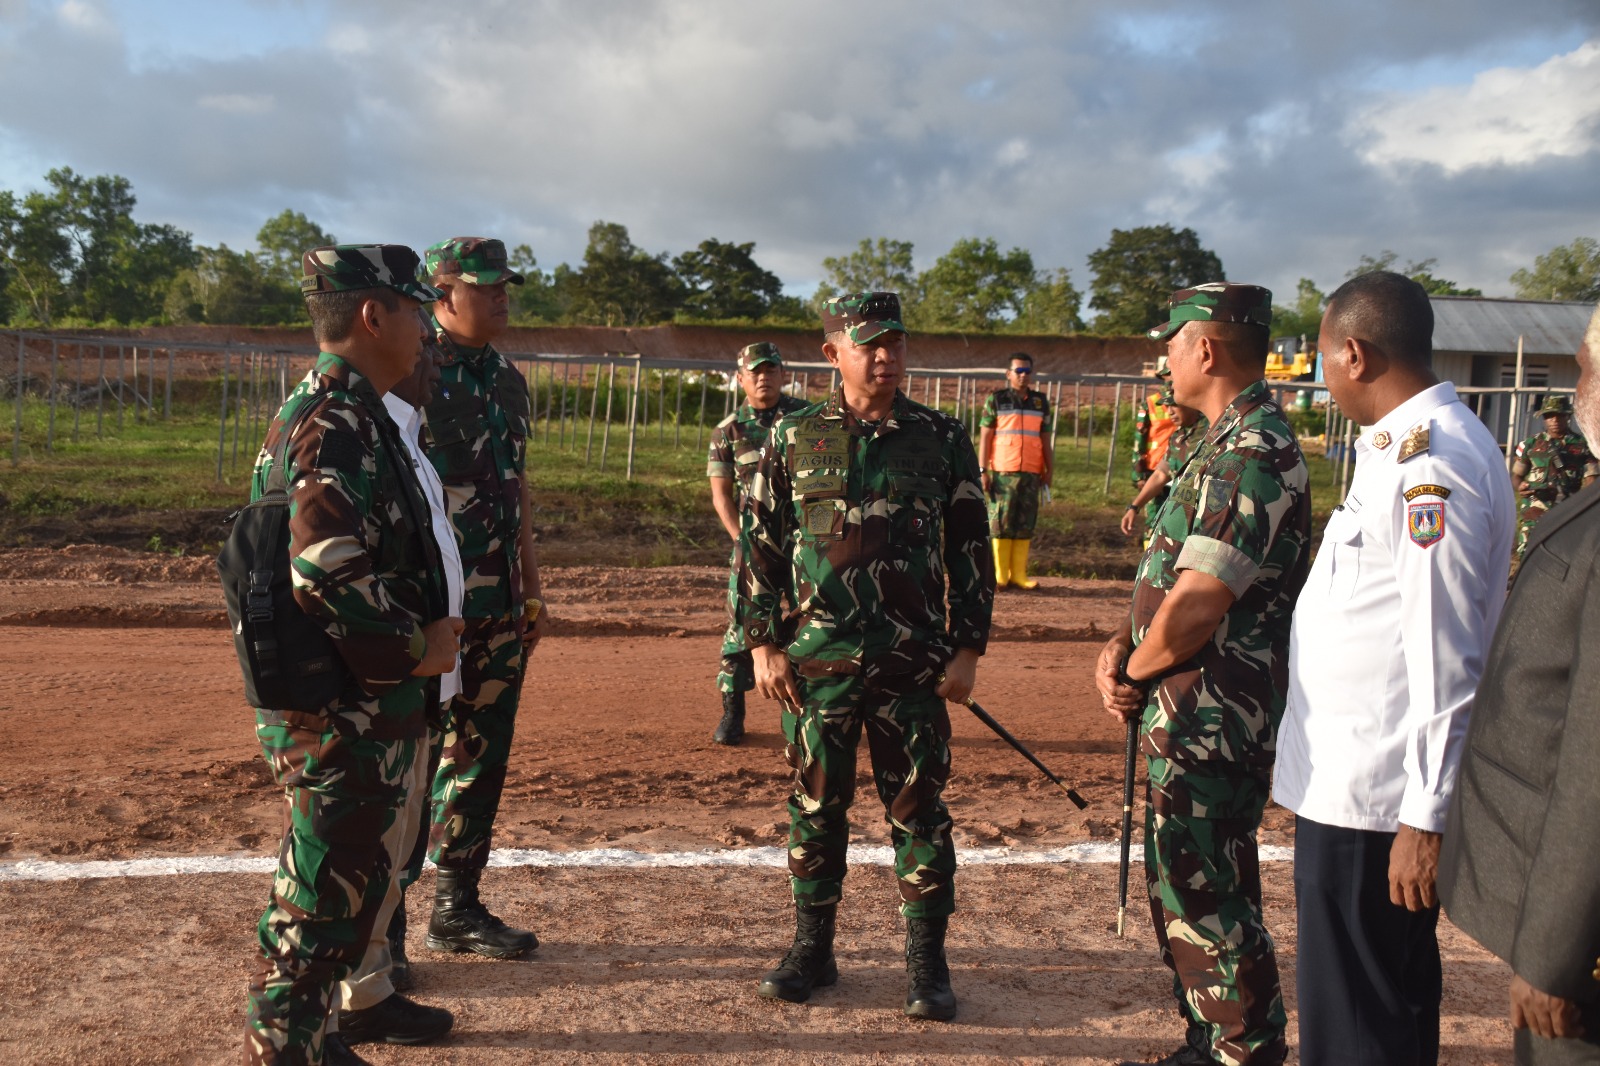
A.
pixel 1291 359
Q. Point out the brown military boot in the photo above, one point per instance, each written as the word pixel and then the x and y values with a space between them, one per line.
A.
pixel 927 972
pixel 461 922
pixel 809 963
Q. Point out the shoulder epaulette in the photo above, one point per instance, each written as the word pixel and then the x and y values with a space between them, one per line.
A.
pixel 1415 442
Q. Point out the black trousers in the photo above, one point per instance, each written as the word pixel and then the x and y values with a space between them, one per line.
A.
pixel 1368 978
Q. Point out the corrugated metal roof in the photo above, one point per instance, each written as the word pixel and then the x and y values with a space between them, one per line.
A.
pixel 1478 324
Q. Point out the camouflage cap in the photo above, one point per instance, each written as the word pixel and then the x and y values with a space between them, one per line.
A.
pixel 1216 301
pixel 863 315
pixel 344 267
pixel 759 354
pixel 1556 404
pixel 474 260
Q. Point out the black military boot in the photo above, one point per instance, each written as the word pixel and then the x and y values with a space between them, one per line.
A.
pixel 396 1020
pixel 335 1052
pixel 809 963
pixel 731 729
pixel 399 965
pixel 1196 1051
pixel 927 972
pixel 461 923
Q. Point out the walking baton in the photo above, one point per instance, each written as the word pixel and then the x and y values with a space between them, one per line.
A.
pixel 1127 821
pixel 1000 731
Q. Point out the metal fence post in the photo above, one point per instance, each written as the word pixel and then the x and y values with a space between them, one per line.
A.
pixel 16 433
pixel 166 407
pixel 700 419
pixel 1089 451
pixel 605 437
pixel 1111 452
pixel 222 414
pixel 633 412
pixel 77 404
pixel 677 422
pixel 121 402
pixel 50 425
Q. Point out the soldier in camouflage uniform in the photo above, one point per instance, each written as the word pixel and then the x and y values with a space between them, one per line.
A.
pixel 364 563
pixel 731 463
pixel 1188 425
pixel 1203 661
pixel 1016 450
pixel 1548 467
pixel 869 507
pixel 477 437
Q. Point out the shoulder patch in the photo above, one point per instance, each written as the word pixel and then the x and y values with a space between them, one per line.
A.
pixel 1415 443
pixel 1425 523
pixel 1427 490
pixel 340 450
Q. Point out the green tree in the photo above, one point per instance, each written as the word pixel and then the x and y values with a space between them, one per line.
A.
pixel 226 287
pixel 284 238
pixel 723 281
pixel 38 257
pixel 974 287
pixel 1304 316
pixel 1051 307
pixel 1138 269
pixel 538 301
pixel 880 265
pixel 1565 272
pixel 1420 271
pixel 621 284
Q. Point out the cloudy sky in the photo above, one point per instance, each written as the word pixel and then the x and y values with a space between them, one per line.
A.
pixel 1294 138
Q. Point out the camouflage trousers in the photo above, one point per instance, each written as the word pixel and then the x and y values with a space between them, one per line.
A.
pixel 1529 512
pixel 475 744
pixel 738 672
pixel 1013 505
pixel 342 796
pixel 1204 878
pixel 908 738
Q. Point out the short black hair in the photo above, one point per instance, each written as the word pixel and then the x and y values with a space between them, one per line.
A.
pixel 1014 356
pixel 1247 342
pixel 1388 310
pixel 333 314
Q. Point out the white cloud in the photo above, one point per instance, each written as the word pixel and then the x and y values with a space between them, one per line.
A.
pixel 1506 116
pixel 238 103
pixel 84 17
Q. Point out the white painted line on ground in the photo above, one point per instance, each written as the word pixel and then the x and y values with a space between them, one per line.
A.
pixel 614 858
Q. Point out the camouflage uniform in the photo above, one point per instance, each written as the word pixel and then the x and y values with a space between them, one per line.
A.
pixel 1176 454
pixel 1551 469
pixel 365 563
pixel 478 426
pixel 735 446
pixel 867 524
pixel 1014 495
pixel 1240 511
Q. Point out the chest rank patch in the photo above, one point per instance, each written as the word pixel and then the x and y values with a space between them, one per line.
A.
pixel 820 444
pixel 1425 523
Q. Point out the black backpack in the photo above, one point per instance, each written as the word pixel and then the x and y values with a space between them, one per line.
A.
pixel 288 660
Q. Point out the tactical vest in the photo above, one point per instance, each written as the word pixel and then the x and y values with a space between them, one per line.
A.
pixel 1160 432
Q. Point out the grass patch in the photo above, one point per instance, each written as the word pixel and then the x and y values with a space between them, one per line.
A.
pixel 152 485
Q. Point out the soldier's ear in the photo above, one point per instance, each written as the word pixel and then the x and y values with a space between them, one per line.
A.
pixel 830 352
pixel 1365 359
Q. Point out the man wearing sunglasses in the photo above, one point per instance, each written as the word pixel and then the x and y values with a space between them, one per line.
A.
pixel 1015 445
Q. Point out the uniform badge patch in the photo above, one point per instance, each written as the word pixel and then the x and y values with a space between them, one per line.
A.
pixel 1381 439
pixel 1425 522
pixel 820 444
pixel 819 517
pixel 1427 490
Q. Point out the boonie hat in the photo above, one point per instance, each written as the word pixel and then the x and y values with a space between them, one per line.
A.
pixel 1556 404
pixel 474 260
pixel 346 267
pixel 761 353
pixel 1215 301
pixel 863 315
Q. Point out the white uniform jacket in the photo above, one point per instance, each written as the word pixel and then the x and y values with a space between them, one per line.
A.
pixel 1392 628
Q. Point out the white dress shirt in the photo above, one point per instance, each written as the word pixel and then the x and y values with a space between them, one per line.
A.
pixel 1393 625
pixel 409 419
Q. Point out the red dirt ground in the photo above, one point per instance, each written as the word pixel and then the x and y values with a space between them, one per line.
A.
pixel 129 739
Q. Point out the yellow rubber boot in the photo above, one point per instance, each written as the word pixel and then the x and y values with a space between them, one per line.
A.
pixel 1019 565
pixel 1002 562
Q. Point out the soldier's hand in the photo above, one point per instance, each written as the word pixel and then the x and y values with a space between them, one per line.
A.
pixel 444 644
pixel 534 630
pixel 1543 1014
pixel 1128 519
pixel 775 675
pixel 986 481
pixel 1414 868
pixel 960 674
pixel 1120 701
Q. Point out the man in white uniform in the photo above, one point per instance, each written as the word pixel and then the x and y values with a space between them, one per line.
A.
pixel 373 1009
pixel 1390 636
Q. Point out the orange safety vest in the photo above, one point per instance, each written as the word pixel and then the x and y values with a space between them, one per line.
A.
pixel 1162 423
pixel 1019 432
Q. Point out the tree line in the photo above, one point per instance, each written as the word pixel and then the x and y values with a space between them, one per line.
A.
pixel 73 254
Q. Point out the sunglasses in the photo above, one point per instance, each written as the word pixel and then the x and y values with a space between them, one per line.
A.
pixel 1022 370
